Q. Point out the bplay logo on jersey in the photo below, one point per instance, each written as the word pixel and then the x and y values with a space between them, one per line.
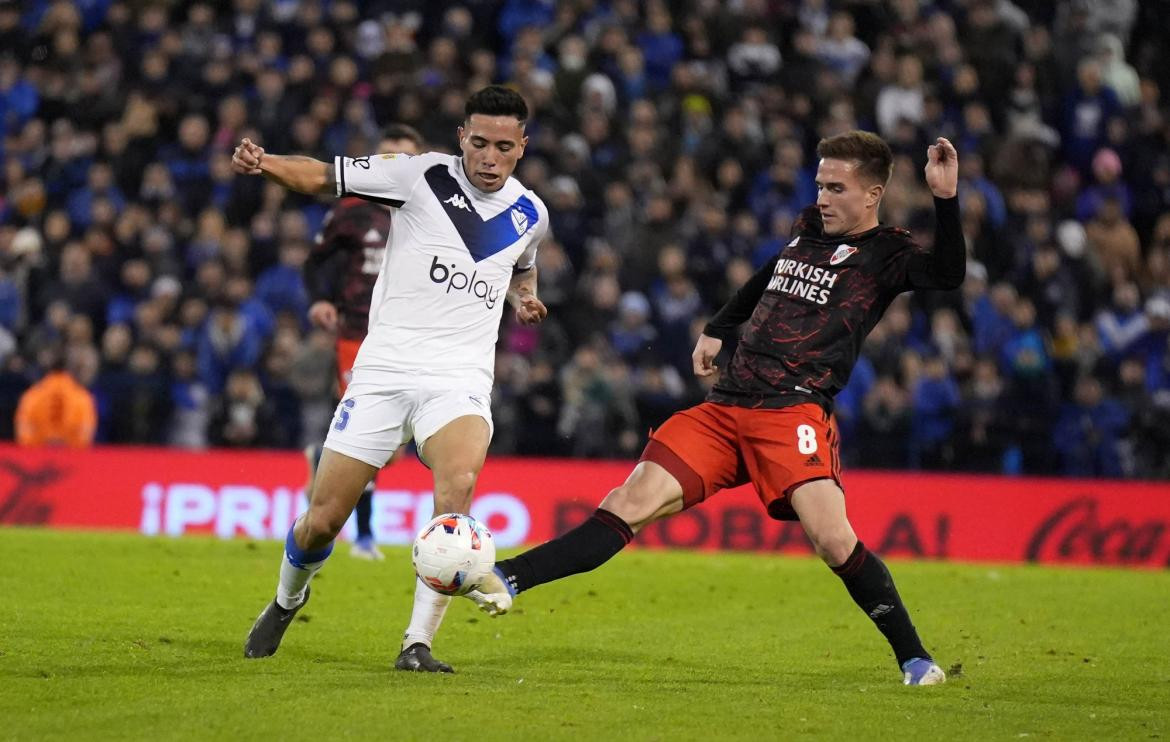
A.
pixel 457 280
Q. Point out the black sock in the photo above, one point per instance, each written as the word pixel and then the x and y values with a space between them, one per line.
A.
pixel 365 508
pixel 586 547
pixel 872 587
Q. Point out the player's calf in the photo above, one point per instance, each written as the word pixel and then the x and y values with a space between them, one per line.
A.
pixel 649 493
pixel 871 586
pixel 582 549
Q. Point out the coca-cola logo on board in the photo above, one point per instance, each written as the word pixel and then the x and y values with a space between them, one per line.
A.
pixel 1075 531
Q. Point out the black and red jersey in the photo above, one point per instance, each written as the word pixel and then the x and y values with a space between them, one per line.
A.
pixel 345 260
pixel 809 309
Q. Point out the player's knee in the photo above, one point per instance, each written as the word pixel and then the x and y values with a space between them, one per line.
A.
pixel 453 490
pixel 322 525
pixel 632 504
pixel 834 547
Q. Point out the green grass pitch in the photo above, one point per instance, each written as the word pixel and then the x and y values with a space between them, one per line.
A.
pixel 107 636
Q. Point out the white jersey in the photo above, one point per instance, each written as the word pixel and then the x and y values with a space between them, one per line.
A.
pixel 436 307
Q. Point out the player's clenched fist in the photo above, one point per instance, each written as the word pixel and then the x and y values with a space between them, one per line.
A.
pixel 246 158
pixel 942 168
pixel 323 314
pixel 704 356
pixel 531 311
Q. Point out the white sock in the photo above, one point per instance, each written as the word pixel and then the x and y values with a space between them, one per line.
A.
pixel 290 592
pixel 429 607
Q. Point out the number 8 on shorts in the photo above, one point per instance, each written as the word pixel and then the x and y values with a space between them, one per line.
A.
pixel 806 439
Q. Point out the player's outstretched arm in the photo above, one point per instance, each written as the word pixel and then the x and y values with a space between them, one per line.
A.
pixel 945 266
pixel 295 172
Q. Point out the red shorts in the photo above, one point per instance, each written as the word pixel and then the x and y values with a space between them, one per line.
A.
pixel 346 354
pixel 711 447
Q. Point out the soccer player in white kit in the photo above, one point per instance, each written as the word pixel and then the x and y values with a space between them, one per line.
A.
pixel 463 243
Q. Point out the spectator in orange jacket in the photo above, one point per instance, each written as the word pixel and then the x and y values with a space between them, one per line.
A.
pixel 56 411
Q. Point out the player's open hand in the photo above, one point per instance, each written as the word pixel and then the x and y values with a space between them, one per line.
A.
pixel 531 310
pixel 942 168
pixel 324 315
pixel 246 158
pixel 704 356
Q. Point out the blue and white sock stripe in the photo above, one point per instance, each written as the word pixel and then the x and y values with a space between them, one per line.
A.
pixel 299 558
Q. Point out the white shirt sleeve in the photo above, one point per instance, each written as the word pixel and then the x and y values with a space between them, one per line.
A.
pixel 386 179
pixel 527 258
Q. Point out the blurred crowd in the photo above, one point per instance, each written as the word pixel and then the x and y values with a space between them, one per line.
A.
pixel 673 143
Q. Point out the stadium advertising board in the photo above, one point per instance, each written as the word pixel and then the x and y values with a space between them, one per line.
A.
pixel 257 494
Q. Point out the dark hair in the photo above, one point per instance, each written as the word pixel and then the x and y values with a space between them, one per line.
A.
pixel 497 100
pixel 402 131
pixel 875 161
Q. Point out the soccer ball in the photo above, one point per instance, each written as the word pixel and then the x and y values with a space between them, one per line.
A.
pixel 453 553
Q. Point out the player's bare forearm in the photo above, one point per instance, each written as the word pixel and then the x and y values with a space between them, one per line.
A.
pixel 522 297
pixel 299 173
pixel 523 284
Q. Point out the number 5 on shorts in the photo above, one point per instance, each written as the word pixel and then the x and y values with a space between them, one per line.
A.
pixel 347 405
pixel 806 439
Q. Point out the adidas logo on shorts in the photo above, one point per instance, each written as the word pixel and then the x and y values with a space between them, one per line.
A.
pixel 814 460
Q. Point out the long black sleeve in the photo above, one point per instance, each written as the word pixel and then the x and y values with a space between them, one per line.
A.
pixel 945 266
pixel 739 307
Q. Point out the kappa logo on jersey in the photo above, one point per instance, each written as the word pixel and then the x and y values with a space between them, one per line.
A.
pixel 482 237
pixel 519 221
pixel 458 201
pixel 843 253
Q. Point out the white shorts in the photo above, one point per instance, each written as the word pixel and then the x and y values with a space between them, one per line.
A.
pixel 373 421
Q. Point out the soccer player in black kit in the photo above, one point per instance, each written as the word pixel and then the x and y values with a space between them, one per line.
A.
pixel 768 419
